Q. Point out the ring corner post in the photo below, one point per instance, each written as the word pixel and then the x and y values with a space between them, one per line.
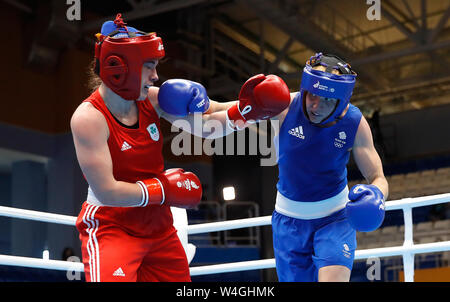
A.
pixel 408 256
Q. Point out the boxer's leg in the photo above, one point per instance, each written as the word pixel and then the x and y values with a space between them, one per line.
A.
pixel 109 254
pixel 166 261
pixel 334 245
pixel 293 249
pixel 334 273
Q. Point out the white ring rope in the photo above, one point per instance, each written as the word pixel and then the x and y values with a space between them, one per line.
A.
pixel 42 263
pixel 228 225
pixel 407 250
pixel 37 216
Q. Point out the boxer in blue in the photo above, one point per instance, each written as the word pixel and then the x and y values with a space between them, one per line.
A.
pixel 316 216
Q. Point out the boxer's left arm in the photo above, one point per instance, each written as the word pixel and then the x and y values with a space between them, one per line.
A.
pixel 367 158
pixel 216 113
pixel 366 209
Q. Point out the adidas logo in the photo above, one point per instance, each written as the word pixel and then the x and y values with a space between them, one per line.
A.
pixel 297 131
pixel 119 273
pixel 125 146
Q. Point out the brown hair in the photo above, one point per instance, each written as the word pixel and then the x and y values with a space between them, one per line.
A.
pixel 322 68
pixel 94 80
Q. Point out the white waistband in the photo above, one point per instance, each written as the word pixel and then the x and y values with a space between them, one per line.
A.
pixel 92 199
pixel 311 210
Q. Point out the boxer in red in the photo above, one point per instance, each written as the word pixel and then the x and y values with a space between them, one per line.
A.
pixel 125 225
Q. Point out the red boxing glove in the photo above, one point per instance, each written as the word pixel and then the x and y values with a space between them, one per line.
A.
pixel 261 97
pixel 173 187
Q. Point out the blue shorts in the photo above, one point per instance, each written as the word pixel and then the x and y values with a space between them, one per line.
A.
pixel 302 247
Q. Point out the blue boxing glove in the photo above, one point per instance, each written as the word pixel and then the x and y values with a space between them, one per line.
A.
pixel 365 210
pixel 181 97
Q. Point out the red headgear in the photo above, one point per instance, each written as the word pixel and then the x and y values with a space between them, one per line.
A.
pixel 119 60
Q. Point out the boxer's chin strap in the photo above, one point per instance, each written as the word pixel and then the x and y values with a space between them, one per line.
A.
pixel 329 124
pixel 335 121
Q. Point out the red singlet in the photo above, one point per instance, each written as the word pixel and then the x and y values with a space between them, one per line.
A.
pixel 131 243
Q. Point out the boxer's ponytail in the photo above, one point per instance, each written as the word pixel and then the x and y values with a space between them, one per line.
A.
pixel 94 80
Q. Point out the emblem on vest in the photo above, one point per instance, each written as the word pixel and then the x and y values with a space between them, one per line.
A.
pixel 340 142
pixel 154 133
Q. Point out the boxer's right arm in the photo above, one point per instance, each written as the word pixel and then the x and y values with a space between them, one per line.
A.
pixel 198 123
pixel 173 187
pixel 90 134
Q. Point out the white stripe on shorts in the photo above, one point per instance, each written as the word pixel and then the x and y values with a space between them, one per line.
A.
pixel 92 243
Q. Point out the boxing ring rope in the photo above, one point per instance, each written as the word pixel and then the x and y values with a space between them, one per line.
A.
pixel 407 250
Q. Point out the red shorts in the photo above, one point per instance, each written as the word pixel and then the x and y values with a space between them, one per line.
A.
pixel 113 253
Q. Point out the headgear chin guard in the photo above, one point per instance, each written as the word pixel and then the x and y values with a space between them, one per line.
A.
pixel 120 53
pixel 328 85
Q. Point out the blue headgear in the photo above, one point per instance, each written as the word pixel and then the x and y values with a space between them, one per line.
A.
pixel 327 84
